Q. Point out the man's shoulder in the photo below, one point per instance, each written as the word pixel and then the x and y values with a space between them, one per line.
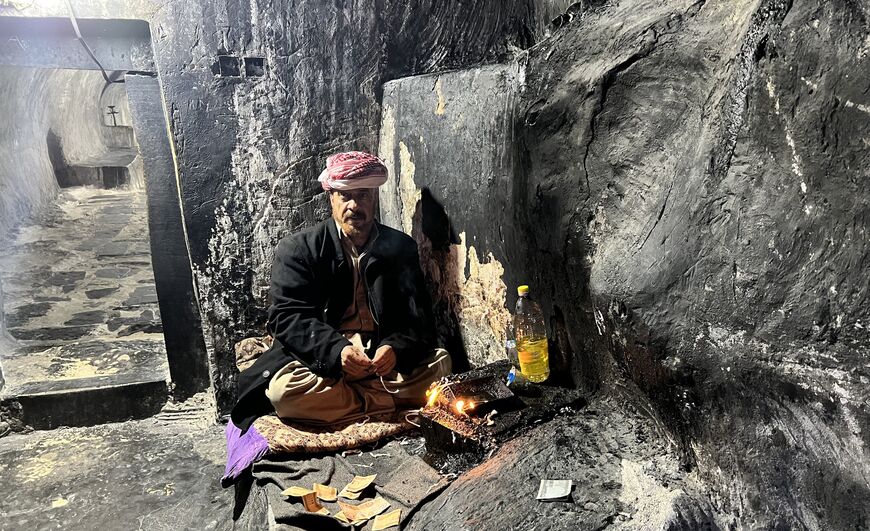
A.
pixel 306 240
pixel 396 240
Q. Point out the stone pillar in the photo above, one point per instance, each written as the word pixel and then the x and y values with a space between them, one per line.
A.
pixel 173 276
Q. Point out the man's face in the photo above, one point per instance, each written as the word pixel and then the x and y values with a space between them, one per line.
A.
pixel 354 210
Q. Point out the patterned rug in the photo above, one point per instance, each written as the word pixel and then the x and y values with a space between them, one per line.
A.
pixel 270 435
pixel 289 437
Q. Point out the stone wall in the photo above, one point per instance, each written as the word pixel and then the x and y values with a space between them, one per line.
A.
pixel 250 148
pixel 27 180
pixel 78 118
pixel 684 185
pixel 451 160
pixel 709 167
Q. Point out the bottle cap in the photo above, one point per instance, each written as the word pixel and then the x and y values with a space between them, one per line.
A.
pixel 522 290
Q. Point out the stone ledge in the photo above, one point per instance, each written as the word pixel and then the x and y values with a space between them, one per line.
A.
pixel 85 407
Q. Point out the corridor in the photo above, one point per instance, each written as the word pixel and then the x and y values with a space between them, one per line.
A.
pixel 79 296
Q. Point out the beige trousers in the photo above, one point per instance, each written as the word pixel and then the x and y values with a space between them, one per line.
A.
pixel 299 394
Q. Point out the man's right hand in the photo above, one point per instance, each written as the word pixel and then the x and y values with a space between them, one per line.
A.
pixel 355 363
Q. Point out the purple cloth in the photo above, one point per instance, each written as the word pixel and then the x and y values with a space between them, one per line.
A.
pixel 243 450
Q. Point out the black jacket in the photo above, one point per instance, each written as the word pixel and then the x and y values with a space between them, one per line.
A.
pixel 312 286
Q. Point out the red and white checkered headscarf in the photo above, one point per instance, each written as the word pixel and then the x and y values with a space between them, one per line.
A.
pixel 353 170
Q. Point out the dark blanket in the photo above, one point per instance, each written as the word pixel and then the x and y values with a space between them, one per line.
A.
pixel 404 480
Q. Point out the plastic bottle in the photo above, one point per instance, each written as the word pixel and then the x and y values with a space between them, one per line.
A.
pixel 531 337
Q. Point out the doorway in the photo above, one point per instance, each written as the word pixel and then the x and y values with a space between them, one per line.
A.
pixel 97 290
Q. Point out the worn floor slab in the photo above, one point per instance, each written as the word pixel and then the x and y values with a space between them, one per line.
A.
pixel 158 474
pixel 626 471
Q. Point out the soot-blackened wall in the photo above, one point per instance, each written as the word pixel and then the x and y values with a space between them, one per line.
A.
pixel 685 187
pixel 250 148
pixel 687 195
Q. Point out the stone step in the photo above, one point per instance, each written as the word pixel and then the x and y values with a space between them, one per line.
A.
pixel 83 383
pixel 99 401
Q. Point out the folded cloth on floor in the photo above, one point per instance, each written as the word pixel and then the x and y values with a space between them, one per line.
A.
pixel 290 437
pixel 404 480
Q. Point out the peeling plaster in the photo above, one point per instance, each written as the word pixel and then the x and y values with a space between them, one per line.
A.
pixel 409 194
pixel 478 299
pixel 483 312
pixel 390 207
pixel 442 103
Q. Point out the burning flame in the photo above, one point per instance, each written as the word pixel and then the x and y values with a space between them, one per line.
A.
pixel 432 394
pixel 461 406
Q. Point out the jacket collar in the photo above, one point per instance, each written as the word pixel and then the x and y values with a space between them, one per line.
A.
pixel 338 251
pixel 332 232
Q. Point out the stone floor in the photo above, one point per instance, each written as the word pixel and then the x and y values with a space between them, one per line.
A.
pixel 79 296
pixel 624 468
pixel 161 473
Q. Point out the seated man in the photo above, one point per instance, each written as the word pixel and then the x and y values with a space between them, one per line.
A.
pixel 350 314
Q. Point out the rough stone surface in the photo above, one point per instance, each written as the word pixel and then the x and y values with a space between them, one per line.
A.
pixel 159 474
pixel 626 475
pixel 62 257
pixel 718 157
pixel 58 128
pixel 73 330
pixel 687 197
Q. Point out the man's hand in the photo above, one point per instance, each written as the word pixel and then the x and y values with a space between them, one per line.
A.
pixel 355 363
pixel 385 360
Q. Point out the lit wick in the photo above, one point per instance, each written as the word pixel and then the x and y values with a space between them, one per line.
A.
pixel 462 407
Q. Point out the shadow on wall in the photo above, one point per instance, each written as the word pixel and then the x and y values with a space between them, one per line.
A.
pixel 55 153
pixel 436 239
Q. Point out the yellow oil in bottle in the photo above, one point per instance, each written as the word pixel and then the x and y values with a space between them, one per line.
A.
pixel 534 359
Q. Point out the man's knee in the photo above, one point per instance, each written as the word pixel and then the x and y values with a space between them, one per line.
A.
pixel 294 379
pixel 443 363
pixel 296 393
